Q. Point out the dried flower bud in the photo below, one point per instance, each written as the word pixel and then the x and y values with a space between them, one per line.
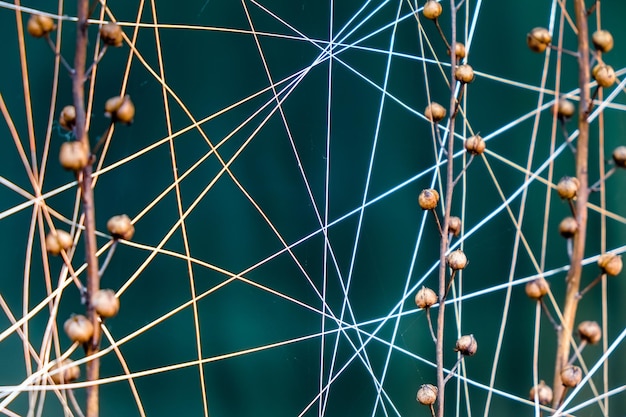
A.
pixel 121 227
pixel 105 303
pixel 67 119
pixel 464 73
pixel 590 331
pixel 78 328
pixel 602 40
pixel 610 263
pixel 457 260
pixel 428 199
pixel 604 75
pixel 39 25
pixel 111 34
pixel 568 187
pixel 74 155
pixel 432 10
pixel 619 156
pixel 543 392
pixel 120 109
pixel 538 39
pixel 459 50
pixel 58 240
pixel 475 145
pixel 70 371
pixel 466 345
pixel 537 288
pixel 425 298
pixel 427 394
pixel 435 112
pixel 568 227
pixel 564 108
pixel 454 225
pixel 571 376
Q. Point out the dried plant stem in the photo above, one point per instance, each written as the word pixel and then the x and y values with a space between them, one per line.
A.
pixel 582 150
pixel 93 278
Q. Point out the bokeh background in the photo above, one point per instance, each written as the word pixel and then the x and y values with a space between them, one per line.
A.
pixel 213 63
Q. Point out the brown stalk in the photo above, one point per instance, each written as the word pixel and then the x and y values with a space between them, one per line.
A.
pixel 582 150
pixel 85 181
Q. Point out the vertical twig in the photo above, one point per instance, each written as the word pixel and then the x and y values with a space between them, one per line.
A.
pixel 582 150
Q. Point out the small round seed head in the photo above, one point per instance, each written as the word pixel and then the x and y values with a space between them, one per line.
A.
pixel 121 227
pixel 74 155
pixel 568 187
pixel 538 39
pixel 604 75
pixel 564 108
pixel 537 288
pixel 475 145
pixel 432 10
pixel 78 328
pixel 39 25
pixel 610 263
pixel 543 392
pixel 454 225
pixel 58 240
pixel 120 109
pixel 571 376
pixel 427 394
pixel 568 227
pixel 67 119
pixel 464 73
pixel 111 34
pixel 590 331
pixel 619 156
pixel 457 260
pixel 428 199
pixel 435 112
pixel 425 298
pixel 459 50
pixel 602 40
pixel 105 303
pixel 70 371
pixel 466 345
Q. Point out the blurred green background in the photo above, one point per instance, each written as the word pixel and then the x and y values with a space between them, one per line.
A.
pixel 210 68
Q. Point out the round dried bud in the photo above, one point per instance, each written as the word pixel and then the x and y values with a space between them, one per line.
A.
pixel 68 371
pixel 120 109
pixel 105 303
pixel 425 298
pixel 543 392
pixel 454 225
pixel 435 112
pixel 74 155
pixel 475 145
pixel 568 187
pixel 459 50
pixel 464 73
pixel 604 75
pixel 571 376
pixel 568 227
pixel 428 199
pixel 619 156
pixel 602 40
pixel 537 288
pixel 427 394
pixel 78 328
pixel 111 34
pixel 610 263
pixel 564 108
pixel 39 25
pixel 466 345
pixel 457 260
pixel 67 119
pixel 590 331
pixel 58 240
pixel 120 227
pixel 538 39
pixel 432 10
